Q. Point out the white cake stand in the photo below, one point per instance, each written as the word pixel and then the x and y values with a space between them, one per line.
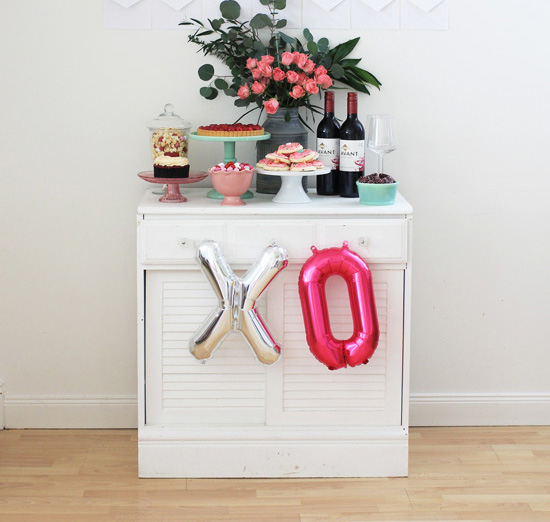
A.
pixel 291 190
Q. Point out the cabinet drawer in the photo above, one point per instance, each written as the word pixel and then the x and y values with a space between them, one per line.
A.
pixel 379 240
pixel 247 240
pixel 174 242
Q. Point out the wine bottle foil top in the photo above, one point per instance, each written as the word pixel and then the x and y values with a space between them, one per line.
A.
pixel 329 101
pixel 352 103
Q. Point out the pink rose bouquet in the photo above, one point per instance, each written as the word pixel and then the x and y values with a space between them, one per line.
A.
pixel 276 71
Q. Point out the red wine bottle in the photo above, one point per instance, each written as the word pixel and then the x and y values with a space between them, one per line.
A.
pixel 328 147
pixel 352 150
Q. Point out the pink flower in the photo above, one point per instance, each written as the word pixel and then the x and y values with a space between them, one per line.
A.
pixel 251 63
pixel 320 70
pixel 278 74
pixel 287 58
pixel 302 79
pixel 297 92
pixel 309 67
pixel 258 88
pixel 324 81
pixel 265 69
pixel 267 58
pixel 300 59
pixel 310 86
pixel 244 92
pixel 271 106
pixel 256 74
pixel 292 76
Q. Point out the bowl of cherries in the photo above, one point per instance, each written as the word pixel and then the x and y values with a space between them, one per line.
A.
pixel 232 180
pixel 377 189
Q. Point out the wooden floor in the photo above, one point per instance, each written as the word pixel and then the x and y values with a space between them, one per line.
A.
pixel 482 474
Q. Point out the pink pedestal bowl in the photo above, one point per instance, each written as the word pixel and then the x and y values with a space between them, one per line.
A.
pixel 232 185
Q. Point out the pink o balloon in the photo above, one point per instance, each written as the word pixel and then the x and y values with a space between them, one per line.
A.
pixel 336 353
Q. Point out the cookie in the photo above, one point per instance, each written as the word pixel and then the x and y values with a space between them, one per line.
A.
pixel 289 148
pixel 275 166
pixel 305 156
pixel 302 167
pixel 275 156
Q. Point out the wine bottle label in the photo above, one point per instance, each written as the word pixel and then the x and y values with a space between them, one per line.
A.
pixel 352 155
pixel 329 152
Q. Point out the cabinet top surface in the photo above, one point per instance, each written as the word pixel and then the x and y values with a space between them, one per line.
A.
pixel 261 204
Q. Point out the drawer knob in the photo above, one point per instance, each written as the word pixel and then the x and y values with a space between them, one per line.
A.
pixel 362 241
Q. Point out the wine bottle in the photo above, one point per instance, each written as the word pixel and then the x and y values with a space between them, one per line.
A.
pixel 352 150
pixel 328 147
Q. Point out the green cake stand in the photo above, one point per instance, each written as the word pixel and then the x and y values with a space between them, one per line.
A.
pixel 229 154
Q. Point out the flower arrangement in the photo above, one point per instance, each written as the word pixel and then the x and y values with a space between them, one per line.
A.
pixel 278 70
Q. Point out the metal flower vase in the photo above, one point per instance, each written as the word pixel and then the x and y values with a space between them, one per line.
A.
pixel 281 132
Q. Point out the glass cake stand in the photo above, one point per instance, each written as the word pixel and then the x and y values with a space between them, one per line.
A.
pixel 291 190
pixel 229 154
pixel 173 194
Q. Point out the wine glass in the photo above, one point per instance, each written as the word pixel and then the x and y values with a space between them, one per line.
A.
pixel 381 137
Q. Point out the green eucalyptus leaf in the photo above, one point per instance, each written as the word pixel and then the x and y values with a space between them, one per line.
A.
pixel 221 84
pixel 206 72
pixel 308 35
pixel 215 24
pixel 259 46
pixel 230 9
pixel 323 44
pixel 280 24
pixel 286 38
pixel 337 71
pixel 265 2
pixel 205 33
pixel 230 92
pixel 279 4
pixel 232 35
pixel 241 103
pixel 205 92
pixel 312 47
pixel 260 21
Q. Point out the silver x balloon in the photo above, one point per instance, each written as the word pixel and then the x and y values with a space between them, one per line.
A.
pixel 236 309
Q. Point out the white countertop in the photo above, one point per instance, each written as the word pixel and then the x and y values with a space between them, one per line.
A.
pixel 261 204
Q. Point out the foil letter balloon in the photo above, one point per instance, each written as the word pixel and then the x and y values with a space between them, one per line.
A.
pixel 335 353
pixel 236 309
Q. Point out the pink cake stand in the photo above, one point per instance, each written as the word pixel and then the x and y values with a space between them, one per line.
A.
pixel 173 194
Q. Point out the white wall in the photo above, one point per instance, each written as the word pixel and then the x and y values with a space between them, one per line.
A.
pixel 472 107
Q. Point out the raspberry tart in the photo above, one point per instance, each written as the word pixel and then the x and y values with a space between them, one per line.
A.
pixel 230 130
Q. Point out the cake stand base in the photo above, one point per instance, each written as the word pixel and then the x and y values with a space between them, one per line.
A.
pixel 214 194
pixel 173 194
pixel 291 191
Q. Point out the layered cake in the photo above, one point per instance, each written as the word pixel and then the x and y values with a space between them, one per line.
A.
pixel 171 167
pixel 235 130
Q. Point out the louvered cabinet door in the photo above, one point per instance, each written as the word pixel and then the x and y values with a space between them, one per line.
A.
pixel 228 389
pixel 302 391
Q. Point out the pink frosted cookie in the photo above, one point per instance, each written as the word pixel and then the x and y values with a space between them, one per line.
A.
pixel 318 164
pixel 275 165
pixel 289 148
pixel 275 156
pixel 263 162
pixel 302 167
pixel 305 156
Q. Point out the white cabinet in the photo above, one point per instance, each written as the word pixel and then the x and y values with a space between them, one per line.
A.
pixel 232 417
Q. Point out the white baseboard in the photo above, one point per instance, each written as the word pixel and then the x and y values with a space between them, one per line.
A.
pixel 481 409
pixel 434 409
pixel 2 418
pixel 71 412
